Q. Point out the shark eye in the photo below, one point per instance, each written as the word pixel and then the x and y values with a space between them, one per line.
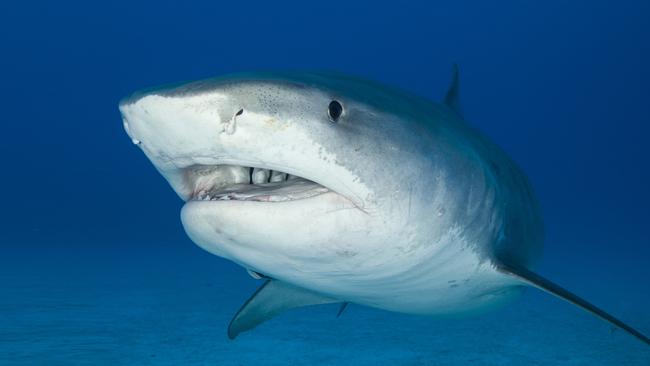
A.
pixel 334 110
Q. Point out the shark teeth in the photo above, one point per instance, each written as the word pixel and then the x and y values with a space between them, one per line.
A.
pixel 260 175
pixel 236 183
pixel 277 176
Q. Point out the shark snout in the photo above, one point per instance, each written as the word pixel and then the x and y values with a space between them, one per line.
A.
pixel 169 128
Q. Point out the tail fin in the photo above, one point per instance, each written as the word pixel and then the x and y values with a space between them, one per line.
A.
pixel 553 289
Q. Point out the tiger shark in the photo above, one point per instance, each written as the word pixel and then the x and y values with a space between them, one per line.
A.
pixel 334 189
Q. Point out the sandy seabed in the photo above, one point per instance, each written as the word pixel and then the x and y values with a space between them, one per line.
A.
pixel 165 309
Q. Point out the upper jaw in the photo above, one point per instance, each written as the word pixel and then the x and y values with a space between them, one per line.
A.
pixel 178 139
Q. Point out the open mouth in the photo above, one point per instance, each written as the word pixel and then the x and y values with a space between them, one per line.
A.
pixel 240 183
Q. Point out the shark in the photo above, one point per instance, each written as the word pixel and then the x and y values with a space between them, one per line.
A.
pixel 336 189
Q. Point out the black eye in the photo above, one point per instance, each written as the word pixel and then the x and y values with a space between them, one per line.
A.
pixel 334 110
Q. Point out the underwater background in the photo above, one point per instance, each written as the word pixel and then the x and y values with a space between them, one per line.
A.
pixel 95 267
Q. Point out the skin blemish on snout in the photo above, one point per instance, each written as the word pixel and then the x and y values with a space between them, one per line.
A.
pixel 230 125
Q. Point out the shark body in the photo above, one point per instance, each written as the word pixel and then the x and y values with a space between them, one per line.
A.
pixel 335 189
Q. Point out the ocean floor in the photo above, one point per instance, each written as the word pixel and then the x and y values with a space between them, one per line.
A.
pixel 171 306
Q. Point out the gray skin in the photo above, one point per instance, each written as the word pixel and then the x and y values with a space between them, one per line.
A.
pixel 422 214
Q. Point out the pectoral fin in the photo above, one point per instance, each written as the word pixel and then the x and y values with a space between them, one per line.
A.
pixel 271 299
pixel 543 284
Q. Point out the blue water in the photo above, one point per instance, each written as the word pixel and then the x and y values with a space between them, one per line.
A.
pixel 95 267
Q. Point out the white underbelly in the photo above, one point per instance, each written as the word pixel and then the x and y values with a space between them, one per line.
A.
pixel 449 279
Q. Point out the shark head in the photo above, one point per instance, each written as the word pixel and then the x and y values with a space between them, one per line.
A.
pixel 292 176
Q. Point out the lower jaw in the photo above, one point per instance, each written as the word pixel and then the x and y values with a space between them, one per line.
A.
pixel 248 231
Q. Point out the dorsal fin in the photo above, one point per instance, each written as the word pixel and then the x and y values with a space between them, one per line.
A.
pixel 543 284
pixel 452 99
pixel 271 299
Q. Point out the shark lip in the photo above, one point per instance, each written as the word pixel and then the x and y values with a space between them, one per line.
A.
pixel 244 183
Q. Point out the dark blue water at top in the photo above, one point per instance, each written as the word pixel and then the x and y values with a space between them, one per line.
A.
pixel 96 269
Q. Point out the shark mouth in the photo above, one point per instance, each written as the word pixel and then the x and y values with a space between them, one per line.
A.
pixel 241 183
